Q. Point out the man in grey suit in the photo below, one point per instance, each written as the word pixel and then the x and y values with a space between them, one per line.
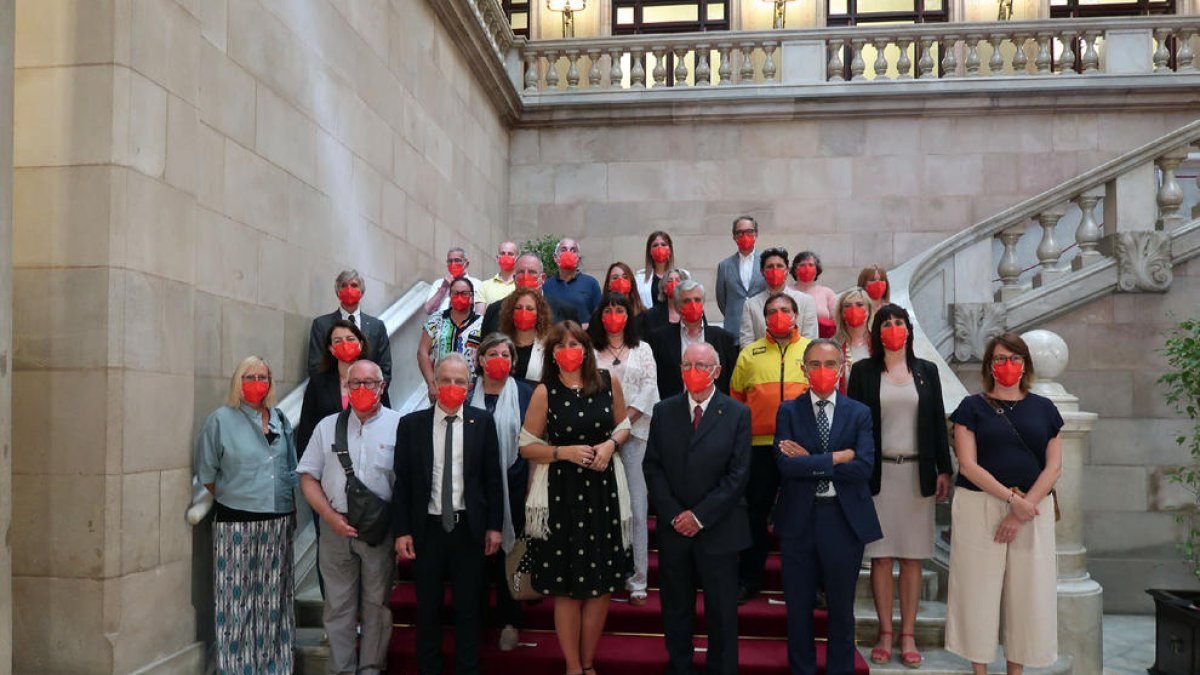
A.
pixel 349 287
pixel 739 276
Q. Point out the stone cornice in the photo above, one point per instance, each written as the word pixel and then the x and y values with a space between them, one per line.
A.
pixel 481 32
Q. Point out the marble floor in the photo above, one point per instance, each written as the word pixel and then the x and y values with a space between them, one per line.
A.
pixel 1128 643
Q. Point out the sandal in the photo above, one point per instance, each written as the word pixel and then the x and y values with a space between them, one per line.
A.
pixel 587 668
pixel 879 655
pixel 910 659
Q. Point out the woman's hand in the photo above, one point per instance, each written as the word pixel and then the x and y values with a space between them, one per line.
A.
pixel 603 454
pixel 433 392
pixel 583 455
pixel 1008 529
pixel 1022 508
pixel 942 493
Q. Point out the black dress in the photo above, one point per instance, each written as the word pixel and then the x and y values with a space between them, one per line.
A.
pixel 582 557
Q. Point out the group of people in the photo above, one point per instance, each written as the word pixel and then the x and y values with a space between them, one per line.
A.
pixel 564 411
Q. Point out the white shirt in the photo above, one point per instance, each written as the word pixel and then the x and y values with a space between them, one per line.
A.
pixel 357 314
pixel 686 340
pixel 746 267
pixel 828 414
pixel 372 447
pixel 439 459
pixel 692 403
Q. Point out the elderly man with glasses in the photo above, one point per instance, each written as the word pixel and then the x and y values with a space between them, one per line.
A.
pixel 571 286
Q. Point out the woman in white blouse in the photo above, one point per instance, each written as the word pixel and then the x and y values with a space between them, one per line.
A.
pixel 618 349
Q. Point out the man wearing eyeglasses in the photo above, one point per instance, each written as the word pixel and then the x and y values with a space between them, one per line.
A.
pixel 573 287
pixel 358 577
pixel 528 274
pixel 457 263
pixel 349 288
pixel 670 342
pixel 739 276
pixel 825 516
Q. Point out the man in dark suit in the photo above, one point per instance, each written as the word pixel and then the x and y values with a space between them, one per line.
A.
pixel 739 276
pixel 350 287
pixel 668 343
pixel 697 464
pixel 528 274
pixel 825 516
pixel 447 513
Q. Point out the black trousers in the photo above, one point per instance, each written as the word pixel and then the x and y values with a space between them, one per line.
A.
pixel 683 564
pixel 761 491
pixel 455 557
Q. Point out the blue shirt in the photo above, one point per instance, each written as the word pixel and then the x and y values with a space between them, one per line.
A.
pixel 249 473
pixel 582 292
pixel 998 449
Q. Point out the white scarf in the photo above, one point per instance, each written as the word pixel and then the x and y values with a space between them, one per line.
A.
pixel 508 427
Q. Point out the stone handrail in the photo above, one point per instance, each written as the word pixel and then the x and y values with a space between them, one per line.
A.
pixel 1059 47
pixel 1126 223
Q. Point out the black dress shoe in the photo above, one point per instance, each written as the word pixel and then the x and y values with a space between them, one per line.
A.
pixel 745 594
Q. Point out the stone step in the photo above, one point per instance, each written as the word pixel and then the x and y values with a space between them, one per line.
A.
pixel 930 628
pixel 930 586
pixel 942 662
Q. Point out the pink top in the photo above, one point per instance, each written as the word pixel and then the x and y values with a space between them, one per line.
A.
pixel 826 300
pixel 345 402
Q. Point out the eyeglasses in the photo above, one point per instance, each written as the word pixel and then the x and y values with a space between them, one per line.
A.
pixel 706 367
pixel 461 294
pixel 572 249
pixel 752 230
pixel 455 260
pixel 1013 358
pixel 370 384
pixel 256 378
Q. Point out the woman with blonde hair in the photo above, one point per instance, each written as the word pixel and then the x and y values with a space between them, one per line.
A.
pixel 246 459
pixel 853 317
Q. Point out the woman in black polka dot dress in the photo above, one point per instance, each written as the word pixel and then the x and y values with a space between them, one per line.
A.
pixel 578 411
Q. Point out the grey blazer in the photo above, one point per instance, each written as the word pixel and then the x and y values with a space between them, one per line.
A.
pixel 731 294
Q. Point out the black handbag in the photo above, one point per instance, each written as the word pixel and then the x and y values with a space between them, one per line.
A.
pixel 365 510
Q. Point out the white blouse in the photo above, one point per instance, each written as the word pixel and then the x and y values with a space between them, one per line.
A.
pixel 639 382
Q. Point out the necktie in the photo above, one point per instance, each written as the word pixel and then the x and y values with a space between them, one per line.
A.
pixel 823 435
pixel 448 476
pixel 699 412
pixel 351 319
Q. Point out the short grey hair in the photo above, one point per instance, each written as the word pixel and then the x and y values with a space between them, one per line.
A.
pixel 453 357
pixel 829 342
pixel 365 362
pixel 529 254
pixel 686 286
pixel 346 276
pixel 458 249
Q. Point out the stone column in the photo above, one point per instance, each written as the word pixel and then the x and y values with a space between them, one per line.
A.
pixel 1080 598
pixel 6 130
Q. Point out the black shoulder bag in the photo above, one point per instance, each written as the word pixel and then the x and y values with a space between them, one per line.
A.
pixel 369 514
pixel 1000 411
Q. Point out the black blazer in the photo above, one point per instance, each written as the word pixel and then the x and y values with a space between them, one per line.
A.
pixel 668 352
pixel 933 448
pixel 705 470
pixel 559 311
pixel 482 491
pixel 322 398
pixel 374 330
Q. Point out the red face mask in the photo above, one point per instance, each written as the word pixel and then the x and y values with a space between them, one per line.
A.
pixel 775 276
pixel 363 399
pixel 569 359
pixel 780 323
pixel 669 289
pixel 855 316
pixel 568 260
pixel 620 285
pixel 692 311
pixel 254 391
pixel 527 280
pixel 823 380
pixel 349 295
pixel 660 254
pixel 497 367
pixel 460 303
pixel 1008 374
pixel 456 269
pixel 806 273
pixel 347 352
pixel 696 381
pixel 876 289
pixel 745 243
pixel 451 396
pixel 893 337
pixel 613 322
pixel 524 319
pixel 506 262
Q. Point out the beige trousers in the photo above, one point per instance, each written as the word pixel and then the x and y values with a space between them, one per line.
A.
pixel 989 581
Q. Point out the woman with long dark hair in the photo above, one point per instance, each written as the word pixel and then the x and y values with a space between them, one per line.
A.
pixel 327 392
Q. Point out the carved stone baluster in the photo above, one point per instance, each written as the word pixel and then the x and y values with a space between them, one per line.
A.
pixel 834 69
pixel 1042 61
pixel 973 61
pixel 746 74
pixel 769 68
pixel 660 66
pixel 925 63
pixel 637 70
pixel 904 63
pixel 531 72
pixel 950 57
pixel 1010 267
pixel 594 71
pixel 1020 61
pixel 1162 55
pixel 725 71
pixel 1049 250
pixel 615 75
pixel 681 70
pixel 1091 60
pixel 703 71
pixel 1067 62
pixel 881 64
pixel 1185 59
pixel 996 62
pixel 572 69
pixel 1088 234
pixel 1170 192
pixel 857 65
pixel 551 70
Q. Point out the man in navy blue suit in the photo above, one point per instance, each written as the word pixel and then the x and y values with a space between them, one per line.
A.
pixel 825 516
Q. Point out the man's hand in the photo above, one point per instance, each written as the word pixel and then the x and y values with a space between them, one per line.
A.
pixel 491 542
pixel 792 448
pixel 404 548
pixel 943 487
pixel 341 526
pixel 843 456
pixel 686 524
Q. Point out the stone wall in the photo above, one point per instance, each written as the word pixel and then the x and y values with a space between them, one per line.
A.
pixel 6 88
pixel 190 177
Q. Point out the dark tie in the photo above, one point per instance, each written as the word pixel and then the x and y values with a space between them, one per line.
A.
pixel 448 477
pixel 351 319
pixel 699 412
pixel 823 436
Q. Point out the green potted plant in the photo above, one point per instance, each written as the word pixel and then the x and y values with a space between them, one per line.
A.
pixel 1177 614
pixel 544 248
